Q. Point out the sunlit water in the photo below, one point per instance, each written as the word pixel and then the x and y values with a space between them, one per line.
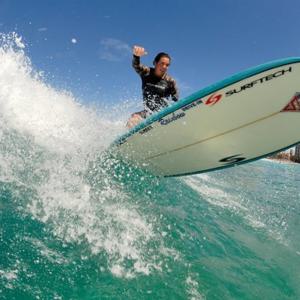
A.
pixel 76 224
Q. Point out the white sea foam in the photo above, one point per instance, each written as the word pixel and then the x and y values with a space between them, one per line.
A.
pixel 51 144
pixel 51 254
pixel 218 197
pixel 255 213
pixel 193 289
pixel 9 275
pixel 214 195
pixel 53 118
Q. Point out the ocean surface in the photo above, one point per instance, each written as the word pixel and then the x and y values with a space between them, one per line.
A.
pixel 77 224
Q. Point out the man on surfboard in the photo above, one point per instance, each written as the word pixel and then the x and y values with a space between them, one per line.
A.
pixel 157 85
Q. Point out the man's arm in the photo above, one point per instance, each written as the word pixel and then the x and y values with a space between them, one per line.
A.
pixel 139 68
pixel 136 61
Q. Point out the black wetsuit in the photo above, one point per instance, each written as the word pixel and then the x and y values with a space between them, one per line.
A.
pixel 156 90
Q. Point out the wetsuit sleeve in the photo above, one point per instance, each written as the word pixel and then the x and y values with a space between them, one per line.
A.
pixel 139 68
pixel 174 91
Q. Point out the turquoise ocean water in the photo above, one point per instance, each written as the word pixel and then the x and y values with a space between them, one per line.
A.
pixel 75 224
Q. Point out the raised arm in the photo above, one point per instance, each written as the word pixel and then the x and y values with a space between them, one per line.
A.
pixel 136 61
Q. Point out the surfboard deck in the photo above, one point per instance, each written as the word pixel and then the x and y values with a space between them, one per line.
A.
pixel 245 117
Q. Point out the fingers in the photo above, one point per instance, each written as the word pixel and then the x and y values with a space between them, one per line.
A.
pixel 134 120
pixel 139 51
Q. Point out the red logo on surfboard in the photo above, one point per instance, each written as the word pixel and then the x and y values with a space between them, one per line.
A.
pixel 213 99
pixel 294 104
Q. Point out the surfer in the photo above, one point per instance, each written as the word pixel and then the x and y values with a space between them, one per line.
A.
pixel 157 85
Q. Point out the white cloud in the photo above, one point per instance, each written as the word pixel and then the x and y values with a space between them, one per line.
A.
pixel 114 49
pixel 41 29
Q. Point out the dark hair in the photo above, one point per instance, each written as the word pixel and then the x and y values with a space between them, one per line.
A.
pixel 159 56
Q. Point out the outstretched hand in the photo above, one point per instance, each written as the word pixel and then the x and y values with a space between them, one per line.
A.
pixel 139 51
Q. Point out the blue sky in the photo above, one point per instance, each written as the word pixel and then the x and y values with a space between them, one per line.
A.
pixel 85 46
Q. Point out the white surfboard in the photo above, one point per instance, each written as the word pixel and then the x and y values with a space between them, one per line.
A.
pixel 240 119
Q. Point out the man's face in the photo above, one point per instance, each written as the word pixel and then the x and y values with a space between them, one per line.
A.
pixel 161 67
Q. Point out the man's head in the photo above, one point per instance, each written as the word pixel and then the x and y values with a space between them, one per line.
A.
pixel 161 63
